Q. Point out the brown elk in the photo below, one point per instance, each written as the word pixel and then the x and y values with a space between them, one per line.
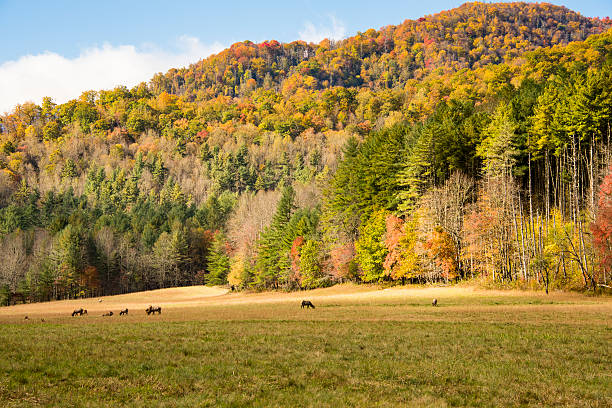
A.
pixel 153 310
pixel 108 314
pixel 307 304
pixel 79 312
pixel 434 302
pixel 123 312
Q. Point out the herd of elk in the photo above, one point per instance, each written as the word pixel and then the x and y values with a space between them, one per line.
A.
pixel 157 309
pixel 149 310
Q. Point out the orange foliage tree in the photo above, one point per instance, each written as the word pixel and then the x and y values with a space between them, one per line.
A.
pixel 602 228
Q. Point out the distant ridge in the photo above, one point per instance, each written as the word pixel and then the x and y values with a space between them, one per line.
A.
pixel 469 36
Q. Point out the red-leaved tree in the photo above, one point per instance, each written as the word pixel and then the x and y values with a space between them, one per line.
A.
pixel 602 229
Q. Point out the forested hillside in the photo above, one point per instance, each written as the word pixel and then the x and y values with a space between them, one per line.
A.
pixel 470 144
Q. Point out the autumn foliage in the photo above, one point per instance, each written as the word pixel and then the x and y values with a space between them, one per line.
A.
pixel 602 227
pixel 465 144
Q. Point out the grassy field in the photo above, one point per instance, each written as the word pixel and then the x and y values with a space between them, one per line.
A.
pixel 361 346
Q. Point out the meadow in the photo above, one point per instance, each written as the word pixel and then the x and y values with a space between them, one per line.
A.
pixel 361 346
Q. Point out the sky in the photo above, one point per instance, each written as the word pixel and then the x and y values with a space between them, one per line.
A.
pixel 61 48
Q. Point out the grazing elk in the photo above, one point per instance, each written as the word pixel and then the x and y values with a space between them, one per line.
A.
pixel 108 314
pixel 26 318
pixel 307 304
pixel 79 312
pixel 434 302
pixel 123 312
pixel 153 310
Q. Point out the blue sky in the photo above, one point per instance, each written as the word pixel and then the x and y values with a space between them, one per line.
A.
pixel 62 47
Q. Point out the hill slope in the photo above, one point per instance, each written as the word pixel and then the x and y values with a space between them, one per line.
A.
pixel 176 182
pixel 470 36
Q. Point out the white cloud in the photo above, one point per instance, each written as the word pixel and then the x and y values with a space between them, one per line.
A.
pixel 315 34
pixel 32 77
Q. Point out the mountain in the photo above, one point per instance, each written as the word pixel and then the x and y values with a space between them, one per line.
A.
pixel 470 36
pixel 467 144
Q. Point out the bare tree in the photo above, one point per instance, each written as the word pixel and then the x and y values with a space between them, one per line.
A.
pixel 447 205
pixel 253 212
pixel 13 253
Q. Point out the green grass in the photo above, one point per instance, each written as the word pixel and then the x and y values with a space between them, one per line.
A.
pixel 469 353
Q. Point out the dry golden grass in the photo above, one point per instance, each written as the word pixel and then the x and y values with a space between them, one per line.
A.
pixel 192 295
pixel 340 302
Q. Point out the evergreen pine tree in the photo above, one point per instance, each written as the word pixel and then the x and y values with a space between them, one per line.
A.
pixel 270 262
pixel 218 261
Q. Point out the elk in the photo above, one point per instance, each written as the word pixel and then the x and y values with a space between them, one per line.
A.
pixel 79 312
pixel 307 304
pixel 434 302
pixel 123 312
pixel 153 310
pixel 108 314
